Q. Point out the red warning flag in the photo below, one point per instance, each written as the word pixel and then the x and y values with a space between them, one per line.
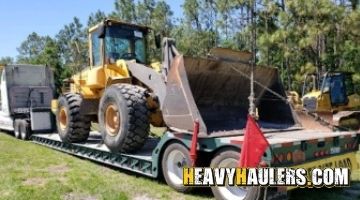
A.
pixel 254 145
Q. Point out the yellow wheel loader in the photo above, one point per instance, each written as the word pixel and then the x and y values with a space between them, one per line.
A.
pixel 125 94
pixel 106 92
pixel 333 98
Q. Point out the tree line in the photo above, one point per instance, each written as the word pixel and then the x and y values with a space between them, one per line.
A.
pixel 296 36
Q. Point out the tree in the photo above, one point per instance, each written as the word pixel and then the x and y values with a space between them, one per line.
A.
pixel 194 28
pixel 30 49
pixel 73 44
pixel 296 36
pixel 144 10
pixel 306 36
pixel 51 56
pixel 192 14
pixel 6 60
pixel 125 10
pixel 161 18
pixel 96 18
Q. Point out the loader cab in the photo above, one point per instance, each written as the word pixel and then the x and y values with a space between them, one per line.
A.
pixel 113 40
pixel 339 86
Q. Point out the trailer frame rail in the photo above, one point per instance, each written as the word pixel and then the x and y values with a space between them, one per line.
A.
pixel 119 160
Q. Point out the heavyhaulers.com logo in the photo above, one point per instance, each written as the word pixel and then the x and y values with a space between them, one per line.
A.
pixel 336 177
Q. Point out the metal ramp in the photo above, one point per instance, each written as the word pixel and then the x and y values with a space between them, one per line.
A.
pixel 93 149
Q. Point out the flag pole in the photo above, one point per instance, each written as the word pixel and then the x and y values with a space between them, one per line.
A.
pixel 252 109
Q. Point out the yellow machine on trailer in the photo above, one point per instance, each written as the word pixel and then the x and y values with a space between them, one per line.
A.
pixel 110 43
pixel 334 98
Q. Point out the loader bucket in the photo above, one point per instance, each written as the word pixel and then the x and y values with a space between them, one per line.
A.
pixel 216 91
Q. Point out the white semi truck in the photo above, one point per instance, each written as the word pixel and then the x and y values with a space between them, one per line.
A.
pixel 25 100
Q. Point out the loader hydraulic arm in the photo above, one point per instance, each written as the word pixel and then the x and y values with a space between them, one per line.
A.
pixel 155 81
pixel 169 52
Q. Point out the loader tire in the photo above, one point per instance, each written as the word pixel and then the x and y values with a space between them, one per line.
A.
pixel 71 124
pixel 124 117
pixel 228 158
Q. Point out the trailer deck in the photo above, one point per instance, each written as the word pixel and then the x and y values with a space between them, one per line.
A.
pixel 93 149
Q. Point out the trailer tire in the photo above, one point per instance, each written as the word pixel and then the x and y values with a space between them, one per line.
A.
pixel 17 129
pixel 175 157
pixel 124 117
pixel 24 130
pixel 72 125
pixel 227 158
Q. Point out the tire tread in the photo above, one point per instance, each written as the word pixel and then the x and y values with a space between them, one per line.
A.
pixel 79 125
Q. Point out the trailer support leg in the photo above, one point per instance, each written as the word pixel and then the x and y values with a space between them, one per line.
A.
pixel 194 141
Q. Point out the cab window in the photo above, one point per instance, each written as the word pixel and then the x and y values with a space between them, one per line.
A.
pixel 123 43
pixel 349 84
pixel 96 56
pixel 140 50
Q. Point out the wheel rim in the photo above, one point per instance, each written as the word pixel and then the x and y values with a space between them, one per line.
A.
pixel 63 118
pixel 231 192
pixel 112 120
pixel 175 162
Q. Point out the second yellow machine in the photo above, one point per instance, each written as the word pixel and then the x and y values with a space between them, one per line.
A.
pixel 334 98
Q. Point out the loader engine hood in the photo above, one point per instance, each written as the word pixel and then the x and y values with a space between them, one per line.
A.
pixel 216 91
pixel 310 100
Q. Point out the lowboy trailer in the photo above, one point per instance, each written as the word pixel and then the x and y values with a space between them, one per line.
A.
pixel 306 150
pixel 147 161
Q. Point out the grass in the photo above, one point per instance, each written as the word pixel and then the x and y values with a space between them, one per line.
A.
pixel 30 171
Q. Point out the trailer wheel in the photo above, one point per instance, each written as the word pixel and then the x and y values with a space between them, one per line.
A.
pixel 24 130
pixel 71 124
pixel 124 117
pixel 175 157
pixel 17 129
pixel 225 159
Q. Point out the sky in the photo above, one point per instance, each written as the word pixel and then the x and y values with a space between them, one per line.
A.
pixel 19 18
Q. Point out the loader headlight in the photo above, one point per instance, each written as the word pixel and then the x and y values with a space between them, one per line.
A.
pixel 54 105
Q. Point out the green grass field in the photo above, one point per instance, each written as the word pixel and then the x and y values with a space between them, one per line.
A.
pixel 30 171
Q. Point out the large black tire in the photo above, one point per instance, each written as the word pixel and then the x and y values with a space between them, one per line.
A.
pixel 229 158
pixel 175 157
pixel 72 125
pixel 124 117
